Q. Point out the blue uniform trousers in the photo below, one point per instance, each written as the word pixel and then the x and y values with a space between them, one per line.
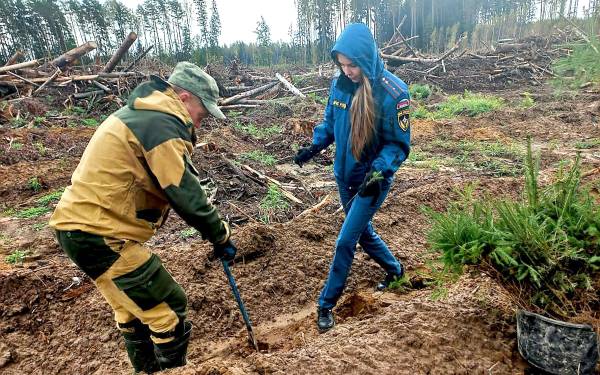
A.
pixel 357 228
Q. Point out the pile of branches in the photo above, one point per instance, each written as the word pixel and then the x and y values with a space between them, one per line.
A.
pixel 35 77
pixel 240 88
pixel 525 62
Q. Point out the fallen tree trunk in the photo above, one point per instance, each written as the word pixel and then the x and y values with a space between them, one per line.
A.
pixel 27 64
pixel 69 57
pixel 118 55
pixel 246 94
pixel 289 86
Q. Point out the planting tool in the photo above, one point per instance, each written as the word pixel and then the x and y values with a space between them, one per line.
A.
pixel 236 294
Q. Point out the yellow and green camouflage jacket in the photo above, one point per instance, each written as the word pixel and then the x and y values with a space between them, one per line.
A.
pixel 136 166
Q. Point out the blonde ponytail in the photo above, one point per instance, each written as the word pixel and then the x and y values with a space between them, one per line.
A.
pixel 362 118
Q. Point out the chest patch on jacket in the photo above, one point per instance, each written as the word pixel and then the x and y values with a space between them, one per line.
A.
pixel 337 103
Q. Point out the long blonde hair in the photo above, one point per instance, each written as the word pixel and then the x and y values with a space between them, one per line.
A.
pixel 362 118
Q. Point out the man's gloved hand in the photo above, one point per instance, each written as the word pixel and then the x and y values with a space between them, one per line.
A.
pixel 225 251
pixel 371 186
pixel 305 154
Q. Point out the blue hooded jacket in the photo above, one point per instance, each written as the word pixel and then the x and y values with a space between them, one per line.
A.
pixel 391 144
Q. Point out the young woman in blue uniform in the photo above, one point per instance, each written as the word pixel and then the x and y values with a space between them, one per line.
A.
pixel 367 117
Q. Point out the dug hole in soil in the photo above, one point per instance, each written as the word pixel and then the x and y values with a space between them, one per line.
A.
pixel 55 322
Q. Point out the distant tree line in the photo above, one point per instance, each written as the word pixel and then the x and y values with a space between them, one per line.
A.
pixel 190 29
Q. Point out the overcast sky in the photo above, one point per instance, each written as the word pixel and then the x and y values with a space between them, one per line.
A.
pixel 239 18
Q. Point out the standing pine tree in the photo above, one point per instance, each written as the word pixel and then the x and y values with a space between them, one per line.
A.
pixel 215 26
pixel 263 40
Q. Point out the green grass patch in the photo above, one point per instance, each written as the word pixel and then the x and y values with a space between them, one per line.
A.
pixel 90 122
pixel 317 98
pixel 547 244
pixel 188 232
pixel 260 157
pixel 591 143
pixel 16 146
pixel 51 197
pixel 580 67
pixel 258 132
pixel 32 212
pixel 16 257
pixel 420 112
pixel 468 104
pixel 38 226
pixel 272 203
pixel 418 91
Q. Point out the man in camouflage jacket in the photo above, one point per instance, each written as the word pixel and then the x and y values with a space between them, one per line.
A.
pixel 135 168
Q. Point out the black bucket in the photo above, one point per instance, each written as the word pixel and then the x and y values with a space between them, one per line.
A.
pixel 557 347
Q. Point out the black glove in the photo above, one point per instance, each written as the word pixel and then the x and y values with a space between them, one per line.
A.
pixel 305 154
pixel 371 186
pixel 225 251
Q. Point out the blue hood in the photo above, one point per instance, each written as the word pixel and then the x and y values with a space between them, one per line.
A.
pixel 356 42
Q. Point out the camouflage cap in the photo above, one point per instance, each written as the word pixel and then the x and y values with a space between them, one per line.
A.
pixel 190 77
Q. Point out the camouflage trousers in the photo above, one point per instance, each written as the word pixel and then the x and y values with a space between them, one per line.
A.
pixel 131 279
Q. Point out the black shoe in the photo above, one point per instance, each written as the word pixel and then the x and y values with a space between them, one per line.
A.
pixel 389 278
pixel 325 320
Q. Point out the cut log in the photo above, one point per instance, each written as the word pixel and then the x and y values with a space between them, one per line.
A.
pixel 81 95
pixel 289 86
pixel 118 55
pixel 27 64
pixel 237 106
pixel 69 57
pixel 137 59
pixel 22 79
pixel 246 94
pixel 13 59
pixel 91 77
pixel 101 86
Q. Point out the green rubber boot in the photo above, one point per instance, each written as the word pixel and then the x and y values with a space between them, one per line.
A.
pixel 173 354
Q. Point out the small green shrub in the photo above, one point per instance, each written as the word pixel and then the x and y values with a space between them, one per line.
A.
pixel 527 101
pixel 39 120
pixel 34 184
pixel 16 146
pixel 547 244
pixel 41 148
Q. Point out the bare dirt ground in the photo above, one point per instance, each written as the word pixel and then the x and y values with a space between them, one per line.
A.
pixel 53 325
